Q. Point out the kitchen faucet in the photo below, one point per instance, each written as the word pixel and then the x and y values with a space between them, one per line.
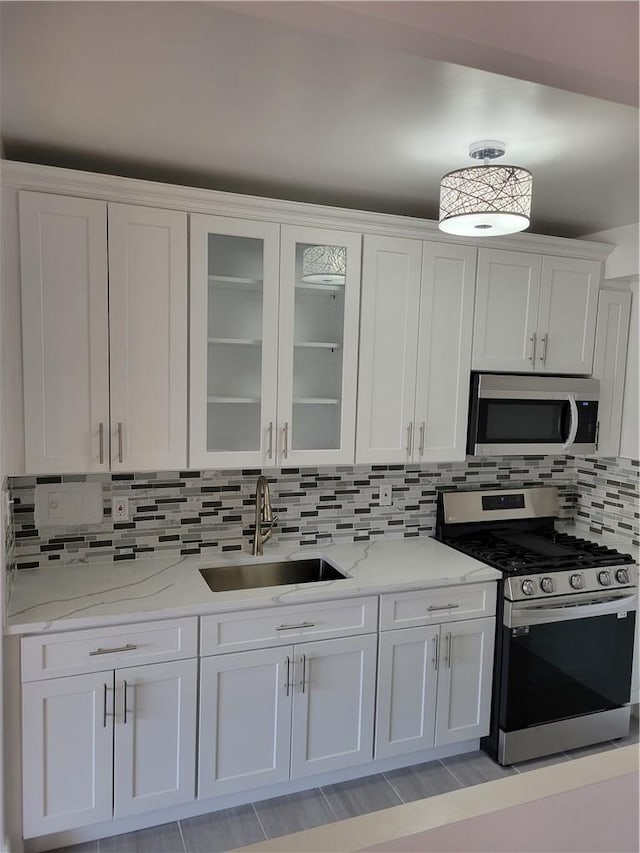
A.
pixel 264 515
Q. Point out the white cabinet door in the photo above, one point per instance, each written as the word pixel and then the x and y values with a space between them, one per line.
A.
pixel 464 680
pixel 155 745
pixel 506 310
pixel 567 315
pixel 245 720
pixel 148 338
pixel 63 256
pixel 609 366
pixel 318 345
pixel 67 749
pixel 388 349
pixel 407 681
pixel 444 352
pixel 233 342
pixel 333 704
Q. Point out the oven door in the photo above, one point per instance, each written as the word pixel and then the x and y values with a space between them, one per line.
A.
pixel 566 657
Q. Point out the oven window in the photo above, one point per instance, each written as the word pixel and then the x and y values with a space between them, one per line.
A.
pixel 522 421
pixel 566 669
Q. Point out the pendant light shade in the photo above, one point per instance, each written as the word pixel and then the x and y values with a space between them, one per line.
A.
pixel 324 264
pixel 485 200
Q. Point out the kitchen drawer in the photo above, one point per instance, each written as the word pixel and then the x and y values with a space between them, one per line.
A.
pixel 77 652
pixel 441 604
pixel 279 626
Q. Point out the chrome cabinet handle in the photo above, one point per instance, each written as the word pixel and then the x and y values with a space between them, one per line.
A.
pixel 270 431
pixel 101 440
pixel 442 606
pixel 303 661
pixel 434 659
pixel 124 704
pixel 293 627
pixel 128 648
pixel 104 707
pixel 410 438
pixel 120 441
pixel 545 341
pixel 285 440
pixel 423 429
pixel 447 659
pixel 532 357
pixel 287 682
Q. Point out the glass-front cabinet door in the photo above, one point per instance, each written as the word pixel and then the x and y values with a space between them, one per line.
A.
pixel 318 343
pixel 234 338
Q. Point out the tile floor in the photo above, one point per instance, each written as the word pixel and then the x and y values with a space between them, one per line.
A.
pixel 237 827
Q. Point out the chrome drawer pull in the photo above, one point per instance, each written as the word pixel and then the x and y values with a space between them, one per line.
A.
pixel 292 627
pixel 128 648
pixel 442 606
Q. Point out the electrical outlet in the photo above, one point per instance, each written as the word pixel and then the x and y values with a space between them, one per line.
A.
pixel 385 496
pixel 119 509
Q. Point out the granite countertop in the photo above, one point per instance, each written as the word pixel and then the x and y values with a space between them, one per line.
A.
pixel 95 594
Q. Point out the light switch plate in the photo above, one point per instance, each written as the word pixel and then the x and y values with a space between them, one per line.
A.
pixel 61 504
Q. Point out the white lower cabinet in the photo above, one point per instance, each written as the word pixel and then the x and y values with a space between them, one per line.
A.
pixel 287 712
pixel 107 744
pixel 434 685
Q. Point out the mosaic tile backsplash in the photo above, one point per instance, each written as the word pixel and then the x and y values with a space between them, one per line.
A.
pixel 607 496
pixel 208 512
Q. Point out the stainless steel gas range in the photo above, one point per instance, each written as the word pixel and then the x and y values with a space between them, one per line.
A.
pixel 564 626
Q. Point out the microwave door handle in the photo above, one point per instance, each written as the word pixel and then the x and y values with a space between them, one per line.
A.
pixel 573 429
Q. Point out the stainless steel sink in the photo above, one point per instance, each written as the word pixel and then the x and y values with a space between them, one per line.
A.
pixel 254 575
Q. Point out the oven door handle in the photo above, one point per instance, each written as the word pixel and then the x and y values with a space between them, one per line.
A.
pixel 573 429
pixel 520 616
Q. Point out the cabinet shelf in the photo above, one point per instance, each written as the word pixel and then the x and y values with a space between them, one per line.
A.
pixel 233 281
pixel 221 399
pixel 320 288
pixel 319 344
pixel 247 342
pixel 316 401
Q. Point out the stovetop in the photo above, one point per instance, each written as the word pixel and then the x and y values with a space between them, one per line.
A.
pixel 521 552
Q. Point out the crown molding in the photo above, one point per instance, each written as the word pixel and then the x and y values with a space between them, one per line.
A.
pixel 113 188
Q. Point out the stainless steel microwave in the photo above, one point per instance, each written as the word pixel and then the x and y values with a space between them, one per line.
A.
pixel 527 415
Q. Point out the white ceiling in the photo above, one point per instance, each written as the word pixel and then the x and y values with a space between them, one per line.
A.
pixel 348 104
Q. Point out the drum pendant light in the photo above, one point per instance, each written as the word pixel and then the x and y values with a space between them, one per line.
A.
pixel 482 201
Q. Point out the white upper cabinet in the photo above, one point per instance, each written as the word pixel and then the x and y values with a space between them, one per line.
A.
pixel 567 315
pixel 318 346
pixel 415 350
pixel 444 352
pixel 65 337
pixel 148 337
pixel 609 366
pixel 534 313
pixel 274 331
pixel 234 341
pixel 90 406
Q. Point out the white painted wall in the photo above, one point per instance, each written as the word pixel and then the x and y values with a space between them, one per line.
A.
pixel 624 260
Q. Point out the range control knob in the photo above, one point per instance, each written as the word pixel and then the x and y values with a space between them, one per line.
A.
pixel 604 578
pixel 547 584
pixel 622 575
pixel 528 587
pixel 576 581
